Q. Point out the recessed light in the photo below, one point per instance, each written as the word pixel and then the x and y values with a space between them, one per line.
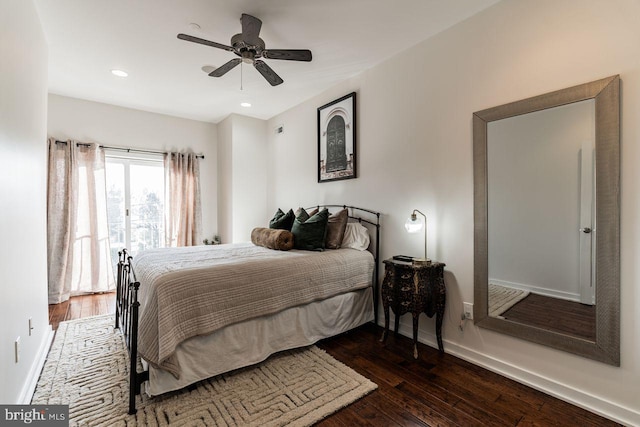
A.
pixel 245 104
pixel 119 73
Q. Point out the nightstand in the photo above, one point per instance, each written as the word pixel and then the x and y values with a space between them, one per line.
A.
pixel 414 289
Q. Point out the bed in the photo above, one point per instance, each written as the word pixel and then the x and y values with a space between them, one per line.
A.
pixel 195 312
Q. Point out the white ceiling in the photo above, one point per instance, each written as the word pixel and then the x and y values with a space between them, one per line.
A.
pixel 88 38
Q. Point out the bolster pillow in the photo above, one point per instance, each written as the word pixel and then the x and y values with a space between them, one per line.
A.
pixel 281 240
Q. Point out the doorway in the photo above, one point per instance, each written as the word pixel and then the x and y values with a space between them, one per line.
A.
pixel 135 203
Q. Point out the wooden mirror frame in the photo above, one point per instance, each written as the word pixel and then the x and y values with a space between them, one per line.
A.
pixel 606 93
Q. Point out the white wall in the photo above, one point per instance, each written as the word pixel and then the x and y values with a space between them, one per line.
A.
pixel 250 168
pixel 415 151
pixel 87 121
pixel 242 171
pixel 23 214
pixel 225 179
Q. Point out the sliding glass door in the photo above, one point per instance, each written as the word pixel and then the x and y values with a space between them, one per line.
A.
pixel 135 204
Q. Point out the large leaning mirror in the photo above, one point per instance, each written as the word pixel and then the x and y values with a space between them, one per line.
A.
pixel 546 212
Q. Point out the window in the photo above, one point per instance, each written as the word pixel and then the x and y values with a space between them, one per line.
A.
pixel 135 203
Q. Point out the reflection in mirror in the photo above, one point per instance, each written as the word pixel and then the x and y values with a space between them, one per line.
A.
pixel 546 219
pixel 540 176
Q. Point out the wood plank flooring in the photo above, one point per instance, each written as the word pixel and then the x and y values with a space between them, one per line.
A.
pixel 434 390
pixel 567 317
pixel 82 306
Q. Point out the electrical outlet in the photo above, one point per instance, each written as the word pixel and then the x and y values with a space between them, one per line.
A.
pixel 468 310
pixel 17 349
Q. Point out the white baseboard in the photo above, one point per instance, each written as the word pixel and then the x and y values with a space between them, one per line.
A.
pixel 569 296
pixel 36 368
pixel 595 404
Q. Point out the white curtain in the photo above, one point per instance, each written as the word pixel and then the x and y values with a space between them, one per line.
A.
pixel 77 231
pixel 183 218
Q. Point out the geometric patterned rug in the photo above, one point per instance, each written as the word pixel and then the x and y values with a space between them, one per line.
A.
pixel 87 369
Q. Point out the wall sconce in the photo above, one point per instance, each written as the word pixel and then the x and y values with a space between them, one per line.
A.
pixel 414 225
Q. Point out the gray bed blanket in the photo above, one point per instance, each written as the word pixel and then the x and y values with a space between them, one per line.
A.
pixel 191 291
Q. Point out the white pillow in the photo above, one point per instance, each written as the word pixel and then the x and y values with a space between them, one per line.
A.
pixel 356 236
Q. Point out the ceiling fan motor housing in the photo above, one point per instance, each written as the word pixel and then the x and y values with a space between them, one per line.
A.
pixel 240 45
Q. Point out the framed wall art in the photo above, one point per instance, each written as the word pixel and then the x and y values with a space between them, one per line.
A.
pixel 337 139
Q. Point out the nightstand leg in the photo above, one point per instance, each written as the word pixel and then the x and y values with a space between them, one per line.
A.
pixel 386 322
pixel 397 322
pixel 416 319
pixel 439 317
pixel 440 314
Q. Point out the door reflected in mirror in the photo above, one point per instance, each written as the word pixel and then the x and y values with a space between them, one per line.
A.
pixel 540 176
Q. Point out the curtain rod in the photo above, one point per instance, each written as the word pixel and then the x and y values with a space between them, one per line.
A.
pixel 128 150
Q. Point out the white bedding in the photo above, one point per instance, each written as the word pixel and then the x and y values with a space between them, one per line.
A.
pixel 231 306
pixel 246 343
pixel 195 291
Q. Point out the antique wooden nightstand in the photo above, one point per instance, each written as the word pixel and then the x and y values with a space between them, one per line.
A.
pixel 415 289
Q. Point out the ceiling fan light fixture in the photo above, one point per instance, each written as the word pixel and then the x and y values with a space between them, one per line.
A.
pixel 119 73
pixel 247 56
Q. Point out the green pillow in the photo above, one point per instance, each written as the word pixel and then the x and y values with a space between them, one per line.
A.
pixel 282 221
pixel 309 232
pixel 302 215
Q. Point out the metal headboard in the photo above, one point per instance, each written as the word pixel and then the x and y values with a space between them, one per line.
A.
pixel 359 214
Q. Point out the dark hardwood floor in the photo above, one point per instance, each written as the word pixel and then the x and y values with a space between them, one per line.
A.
pixel 434 390
pixel 567 317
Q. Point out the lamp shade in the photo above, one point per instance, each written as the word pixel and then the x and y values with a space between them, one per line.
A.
pixel 414 224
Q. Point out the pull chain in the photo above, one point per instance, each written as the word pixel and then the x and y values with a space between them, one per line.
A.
pixel 241 75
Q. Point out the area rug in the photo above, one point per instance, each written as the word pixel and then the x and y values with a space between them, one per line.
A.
pixel 87 368
pixel 502 299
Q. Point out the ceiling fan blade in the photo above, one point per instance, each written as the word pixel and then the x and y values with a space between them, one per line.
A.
pixel 193 39
pixel 225 68
pixel 250 29
pixel 267 73
pixel 288 54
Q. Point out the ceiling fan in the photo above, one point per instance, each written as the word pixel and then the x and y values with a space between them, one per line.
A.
pixel 249 47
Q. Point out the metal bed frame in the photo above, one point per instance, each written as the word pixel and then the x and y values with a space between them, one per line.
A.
pixel 128 306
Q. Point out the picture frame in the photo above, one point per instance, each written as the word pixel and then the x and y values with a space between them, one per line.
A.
pixel 337 139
